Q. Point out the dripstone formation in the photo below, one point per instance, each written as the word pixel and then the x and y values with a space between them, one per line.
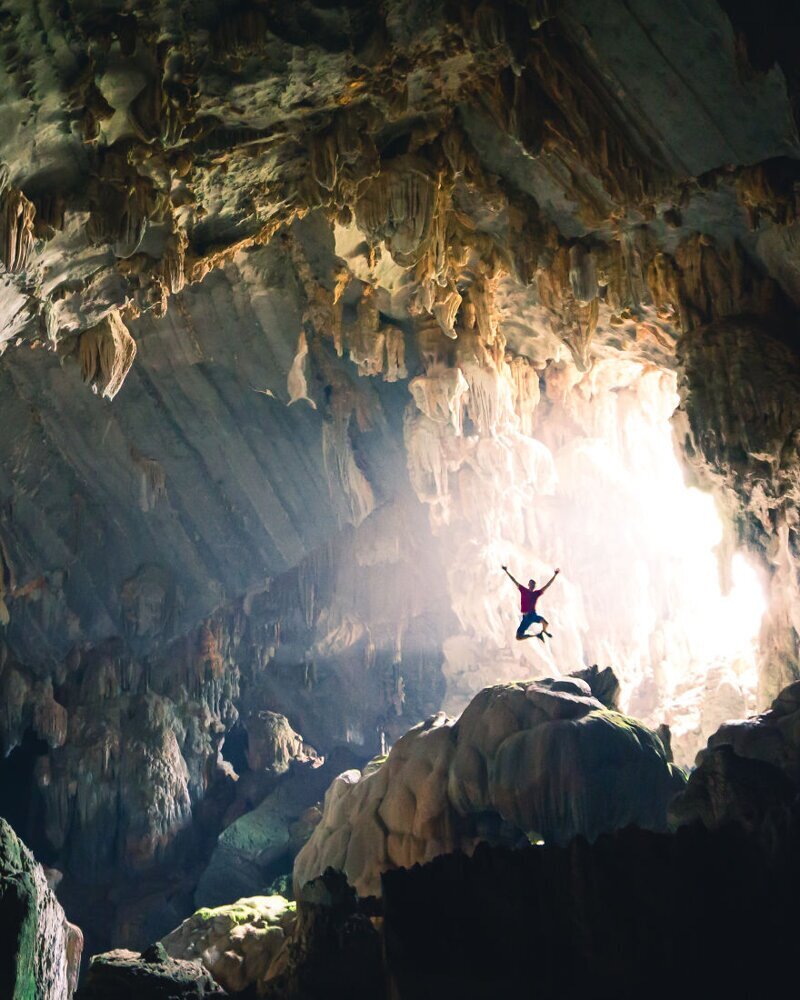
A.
pixel 312 316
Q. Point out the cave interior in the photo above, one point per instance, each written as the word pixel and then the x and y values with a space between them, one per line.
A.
pixel 316 317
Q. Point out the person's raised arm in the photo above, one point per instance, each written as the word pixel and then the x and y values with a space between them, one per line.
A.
pixel 511 578
pixel 544 588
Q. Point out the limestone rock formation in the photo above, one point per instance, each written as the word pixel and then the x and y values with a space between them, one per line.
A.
pixel 333 949
pixel 151 975
pixel 372 297
pixel 740 425
pixel 40 950
pixel 749 774
pixel 634 914
pixel 261 844
pixel 538 760
pixel 235 943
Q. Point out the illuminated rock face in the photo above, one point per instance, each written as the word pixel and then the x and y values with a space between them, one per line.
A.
pixel 235 943
pixel 538 760
pixel 373 299
pixel 741 439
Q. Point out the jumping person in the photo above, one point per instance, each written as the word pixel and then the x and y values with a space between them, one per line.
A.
pixel 528 597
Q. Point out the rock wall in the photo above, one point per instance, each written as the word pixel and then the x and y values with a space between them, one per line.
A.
pixel 41 950
pixel 634 913
pixel 739 421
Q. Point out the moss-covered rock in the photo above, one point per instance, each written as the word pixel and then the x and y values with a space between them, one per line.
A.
pixel 39 949
pixel 236 943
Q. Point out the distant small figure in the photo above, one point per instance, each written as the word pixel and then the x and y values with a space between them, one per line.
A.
pixel 528 597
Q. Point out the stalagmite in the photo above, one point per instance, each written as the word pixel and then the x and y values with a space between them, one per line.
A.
pixel 530 757
pixel 535 228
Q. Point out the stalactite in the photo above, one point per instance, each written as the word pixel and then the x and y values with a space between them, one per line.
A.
pixel 398 206
pixel 525 379
pixel 346 479
pixel 173 261
pixel 107 352
pixel 366 341
pixel 445 309
pixel 439 395
pixel 16 225
pixel 153 485
pixel 395 354
pixel 296 381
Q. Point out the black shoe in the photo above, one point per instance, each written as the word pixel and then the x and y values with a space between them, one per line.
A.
pixel 541 636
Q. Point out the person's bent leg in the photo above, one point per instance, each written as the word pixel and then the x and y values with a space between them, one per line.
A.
pixel 523 627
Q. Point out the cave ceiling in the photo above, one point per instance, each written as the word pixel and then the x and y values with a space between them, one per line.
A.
pixel 212 210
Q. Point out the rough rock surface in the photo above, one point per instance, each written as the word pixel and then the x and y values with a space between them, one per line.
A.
pixel 749 773
pixel 40 952
pixel 333 949
pixel 740 416
pixel 262 843
pixel 634 914
pixel 542 760
pixel 153 975
pixel 235 943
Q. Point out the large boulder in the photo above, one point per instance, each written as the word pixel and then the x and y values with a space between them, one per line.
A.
pixel 151 975
pixel 235 943
pixel 40 951
pixel 536 760
pixel 749 773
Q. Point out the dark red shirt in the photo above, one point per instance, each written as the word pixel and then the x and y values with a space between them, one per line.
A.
pixel 528 598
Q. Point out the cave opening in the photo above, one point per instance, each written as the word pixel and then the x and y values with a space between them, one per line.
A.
pixel 18 796
pixel 650 581
pixel 234 748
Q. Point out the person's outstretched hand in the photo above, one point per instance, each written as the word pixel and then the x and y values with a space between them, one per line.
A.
pixel 504 567
pixel 557 572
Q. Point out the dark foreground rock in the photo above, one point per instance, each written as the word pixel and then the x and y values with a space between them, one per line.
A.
pixel 40 951
pixel 636 914
pixel 333 951
pixel 153 975
pixel 750 771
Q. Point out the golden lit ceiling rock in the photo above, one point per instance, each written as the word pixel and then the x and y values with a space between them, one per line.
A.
pixel 463 136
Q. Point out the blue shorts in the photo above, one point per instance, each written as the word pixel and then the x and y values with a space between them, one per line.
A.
pixel 527 620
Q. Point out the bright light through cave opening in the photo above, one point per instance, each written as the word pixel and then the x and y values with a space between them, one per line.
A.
pixel 594 485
